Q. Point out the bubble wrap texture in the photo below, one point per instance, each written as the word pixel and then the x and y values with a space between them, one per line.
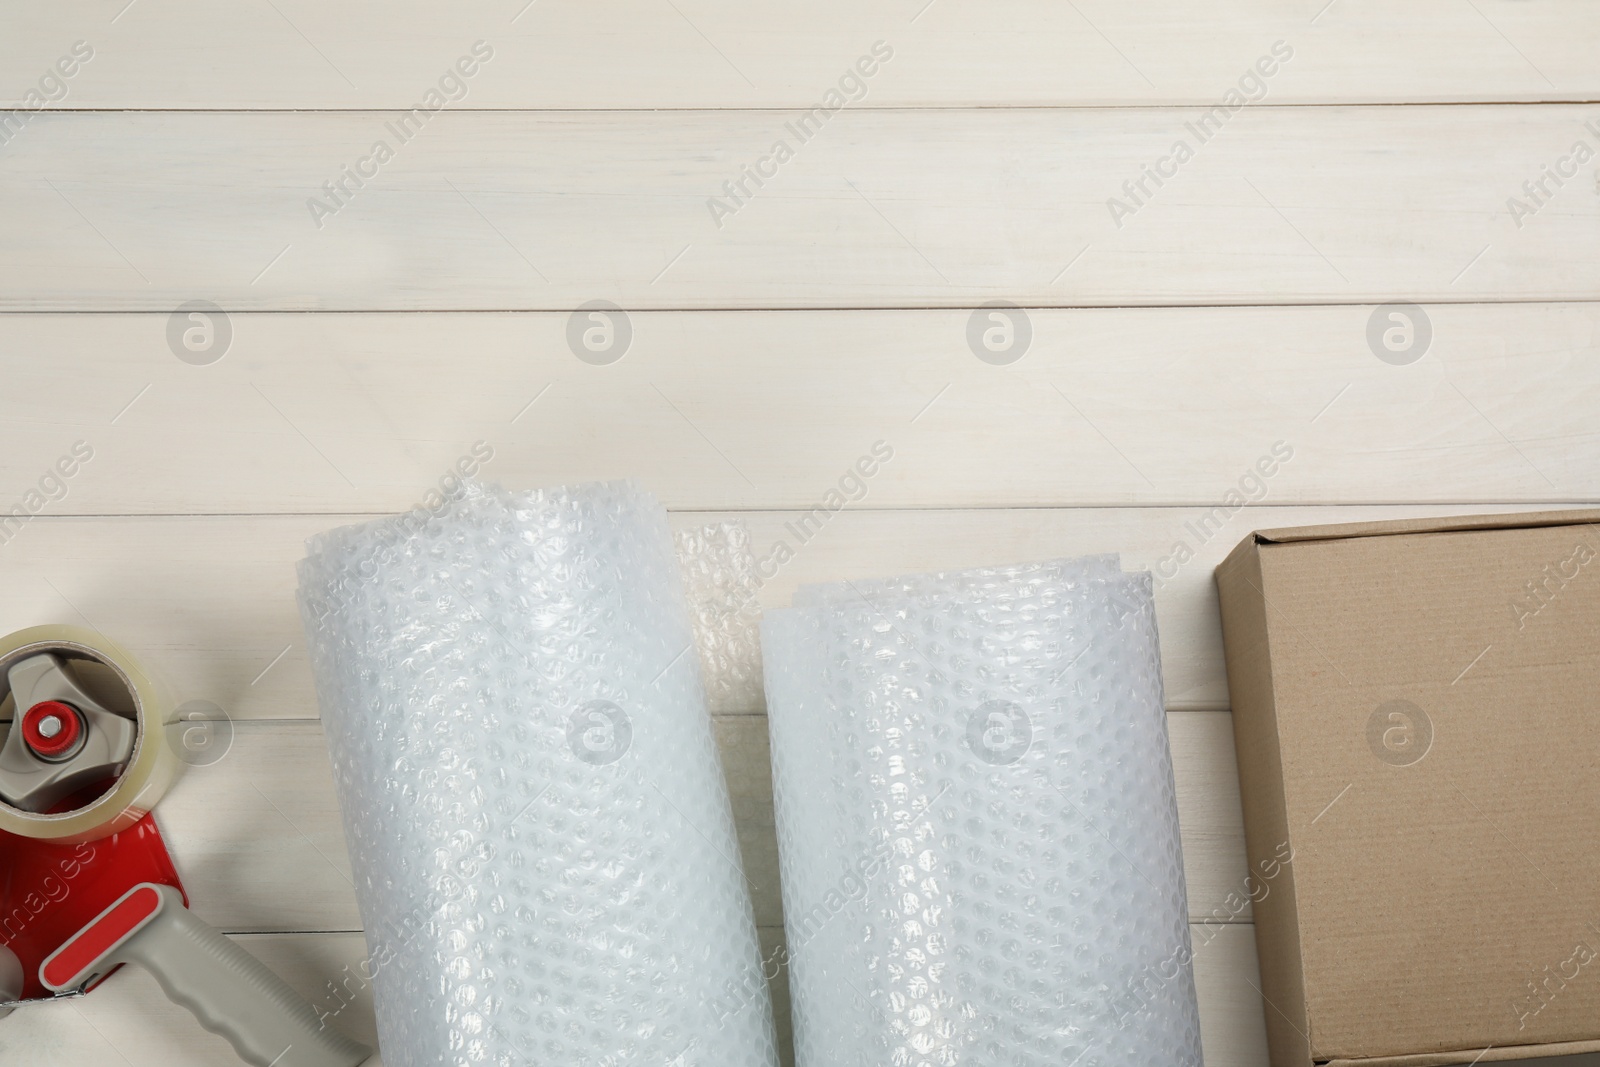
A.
pixel 543 847
pixel 721 586
pixel 977 824
pixel 1013 579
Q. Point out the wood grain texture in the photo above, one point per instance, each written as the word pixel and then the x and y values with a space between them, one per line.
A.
pixel 348 413
pixel 520 210
pixel 207 602
pixel 714 54
pixel 258 841
pixel 129 1021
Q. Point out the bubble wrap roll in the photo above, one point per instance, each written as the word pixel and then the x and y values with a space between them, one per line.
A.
pixel 977 824
pixel 1016 579
pixel 543 847
pixel 720 583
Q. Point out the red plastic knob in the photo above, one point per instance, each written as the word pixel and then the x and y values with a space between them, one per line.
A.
pixel 52 728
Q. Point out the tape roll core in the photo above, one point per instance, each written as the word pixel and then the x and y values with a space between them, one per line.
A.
pixel 152 766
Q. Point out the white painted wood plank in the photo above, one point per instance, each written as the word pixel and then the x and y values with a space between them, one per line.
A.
pixel 1233 1029
pixel 876 208
pixel 257 839
pixel 771 409
pixel 256 836
pixel 207 603
pixel 714 54
pixel 129 1017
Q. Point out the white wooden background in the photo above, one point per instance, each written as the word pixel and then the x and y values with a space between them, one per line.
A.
pixel 1227 314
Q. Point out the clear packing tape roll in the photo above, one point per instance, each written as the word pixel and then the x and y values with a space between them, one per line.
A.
pixel 541 835
pixel 116 681
pixel 977 823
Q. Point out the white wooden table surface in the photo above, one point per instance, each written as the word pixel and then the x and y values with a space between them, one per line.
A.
pixel 1440 153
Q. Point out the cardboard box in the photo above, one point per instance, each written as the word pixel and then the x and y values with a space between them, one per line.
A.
pixel 1416 709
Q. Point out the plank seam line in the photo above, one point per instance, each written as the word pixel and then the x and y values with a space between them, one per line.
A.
pixel 1554 301
pixel 1198 105
pixel 1532 503
pixel 284 933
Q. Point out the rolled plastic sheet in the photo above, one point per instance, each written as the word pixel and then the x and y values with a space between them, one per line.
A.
pixel 977 825
pixel 543 849
pixel 720 584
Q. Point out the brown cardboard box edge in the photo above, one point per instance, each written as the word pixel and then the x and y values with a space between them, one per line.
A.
pixel 1266 819
pixel 1493 1055
pixel 1257 742
pixel 1445 524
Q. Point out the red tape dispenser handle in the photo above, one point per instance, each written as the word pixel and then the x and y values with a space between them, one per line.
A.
pixel 230 991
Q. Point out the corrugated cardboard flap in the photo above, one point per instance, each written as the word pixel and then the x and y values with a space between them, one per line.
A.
pixel 1442 524
pixel 1276 914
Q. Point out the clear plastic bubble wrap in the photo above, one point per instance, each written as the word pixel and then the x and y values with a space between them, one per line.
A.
pixel 720 583
pixel 544 852
pixel 977 824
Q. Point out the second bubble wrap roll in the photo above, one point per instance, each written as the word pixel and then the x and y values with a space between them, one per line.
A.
pixel 977 822
pixel 542 841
